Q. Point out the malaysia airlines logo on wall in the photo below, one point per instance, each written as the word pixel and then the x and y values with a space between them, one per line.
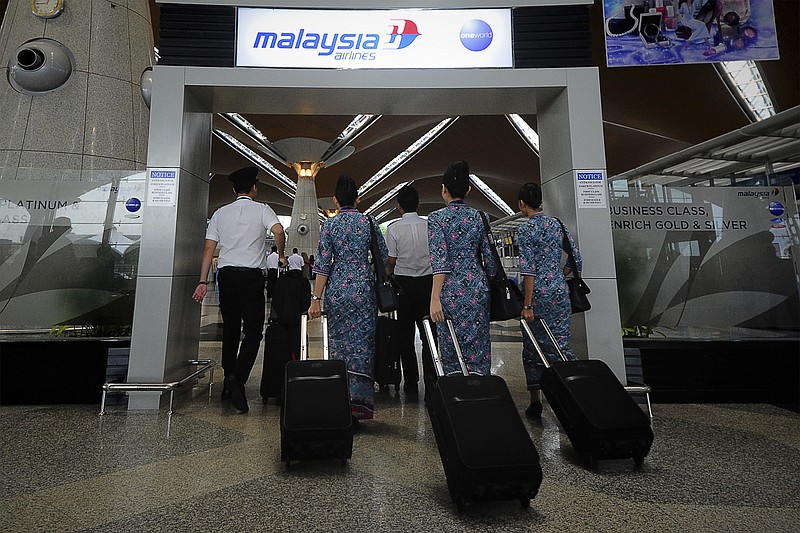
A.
pixel 404 32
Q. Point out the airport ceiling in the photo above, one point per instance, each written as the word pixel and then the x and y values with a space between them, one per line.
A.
pixel 648 113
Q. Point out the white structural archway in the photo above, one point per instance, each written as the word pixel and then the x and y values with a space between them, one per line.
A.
pixel 184 99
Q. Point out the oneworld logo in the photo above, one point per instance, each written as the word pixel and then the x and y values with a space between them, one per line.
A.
pixel 476 35
pixel 345 45
pixel 133 204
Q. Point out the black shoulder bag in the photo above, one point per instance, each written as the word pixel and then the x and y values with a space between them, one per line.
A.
pixel 386 289
pixel 578 289
pixel 505 298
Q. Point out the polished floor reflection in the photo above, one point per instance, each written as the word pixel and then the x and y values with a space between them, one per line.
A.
pixel 209 468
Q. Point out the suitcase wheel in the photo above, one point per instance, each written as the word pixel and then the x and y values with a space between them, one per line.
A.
pixel 459 500
pixel 589 460
pixel 638 458
pixel 461 503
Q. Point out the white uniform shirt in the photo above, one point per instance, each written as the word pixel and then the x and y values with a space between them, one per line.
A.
pixel 407 240
pixel 273 261
pixel 296 262
pixel 241 229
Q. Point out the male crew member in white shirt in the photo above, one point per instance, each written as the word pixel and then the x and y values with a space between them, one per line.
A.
pixel 296 263
pixel 409 260
pixel 273 264
pixel 240 229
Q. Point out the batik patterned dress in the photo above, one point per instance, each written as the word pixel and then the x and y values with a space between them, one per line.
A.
pixel 540 245
pixel 455 233
pixel 343 256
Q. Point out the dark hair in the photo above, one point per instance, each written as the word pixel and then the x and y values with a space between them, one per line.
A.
pixel 274 248
pixel 294 250
pixel 408 198
pixel 456 179
pixel 346 191
pixel 531 195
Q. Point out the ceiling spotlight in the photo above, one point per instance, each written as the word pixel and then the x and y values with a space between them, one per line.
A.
pixel 307 169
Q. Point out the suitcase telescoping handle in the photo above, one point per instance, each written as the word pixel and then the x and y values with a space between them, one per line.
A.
pixel 304 336
pixel 527 328
pixel 437 359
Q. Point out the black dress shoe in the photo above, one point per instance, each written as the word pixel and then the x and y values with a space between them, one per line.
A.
pixel 534 410
pixel 227 387
pixel 239 399
pixel 356 423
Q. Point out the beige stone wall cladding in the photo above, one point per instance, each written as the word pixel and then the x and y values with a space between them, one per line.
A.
pixel 97 121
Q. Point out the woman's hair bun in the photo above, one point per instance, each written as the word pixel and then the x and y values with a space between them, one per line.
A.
pixel 456 178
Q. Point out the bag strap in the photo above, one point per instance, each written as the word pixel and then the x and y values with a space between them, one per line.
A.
pixel 571 263
pixel 501 273
pixel 377 259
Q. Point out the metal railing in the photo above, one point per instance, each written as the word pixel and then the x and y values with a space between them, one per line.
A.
pixel 205 366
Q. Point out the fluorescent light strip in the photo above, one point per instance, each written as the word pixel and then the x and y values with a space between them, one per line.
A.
pixel 405 155
pixel 244 150
pixel 386 197
pixel 356 127
pixel 490 194
pixel 383 214
pixel 525 131
pixel 747 80
pixel 254 133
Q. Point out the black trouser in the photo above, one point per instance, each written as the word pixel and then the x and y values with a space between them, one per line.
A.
pixel 415 303
pixel 272 277
pixel 241 301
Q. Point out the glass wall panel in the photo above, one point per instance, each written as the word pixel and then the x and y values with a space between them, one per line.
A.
pixel 707 262
pixel 69 247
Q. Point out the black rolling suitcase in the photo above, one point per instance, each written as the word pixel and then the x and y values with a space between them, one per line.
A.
pixel 486 451
pixel 281 345
pixel 291 298
pixel 316 422
pixel 598 415
pixel 387 353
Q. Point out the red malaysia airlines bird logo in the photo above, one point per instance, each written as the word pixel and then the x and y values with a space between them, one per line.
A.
pixel 406 30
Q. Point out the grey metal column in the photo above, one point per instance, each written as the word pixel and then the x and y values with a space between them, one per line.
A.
pixel 165 333
pixel 571 138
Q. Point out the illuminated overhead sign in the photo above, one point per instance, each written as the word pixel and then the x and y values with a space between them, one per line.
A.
pixel 386 39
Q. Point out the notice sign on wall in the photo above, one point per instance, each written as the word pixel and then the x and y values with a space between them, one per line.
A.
pixel 591 188
pixel 351 39
pixel 162 187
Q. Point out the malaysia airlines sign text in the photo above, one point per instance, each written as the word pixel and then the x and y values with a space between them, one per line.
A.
pixel 373 39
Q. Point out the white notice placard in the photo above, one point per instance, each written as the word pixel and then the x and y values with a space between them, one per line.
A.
pixel 386 39
pixel 591 188
pixel 162 187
